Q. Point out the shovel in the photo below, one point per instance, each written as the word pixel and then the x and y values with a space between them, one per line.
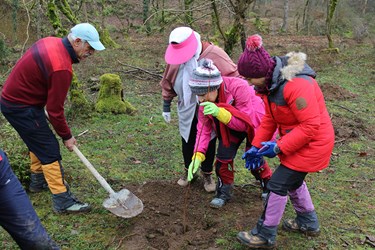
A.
pixel 124 203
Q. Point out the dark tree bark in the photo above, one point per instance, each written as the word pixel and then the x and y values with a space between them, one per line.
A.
pixel 237 30
pixel 284 27
pixel 331 7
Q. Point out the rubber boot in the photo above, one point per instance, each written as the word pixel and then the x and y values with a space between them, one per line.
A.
pixel 37 183
pixel 223 195
pixel 306 221
pixel 63 200
pixel 67 203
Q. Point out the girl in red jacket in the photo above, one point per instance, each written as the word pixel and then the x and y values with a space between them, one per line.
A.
pixel 295 107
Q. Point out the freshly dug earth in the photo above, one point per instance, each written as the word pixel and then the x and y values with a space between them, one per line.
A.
pixel 181 218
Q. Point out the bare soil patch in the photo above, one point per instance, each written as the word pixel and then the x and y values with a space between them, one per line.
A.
pixel 334 92
pixel 345 128
pixel 180 218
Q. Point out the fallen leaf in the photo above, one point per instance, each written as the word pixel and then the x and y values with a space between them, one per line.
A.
pixel 362 154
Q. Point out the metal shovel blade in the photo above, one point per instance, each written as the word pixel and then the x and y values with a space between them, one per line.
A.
pixel 124 204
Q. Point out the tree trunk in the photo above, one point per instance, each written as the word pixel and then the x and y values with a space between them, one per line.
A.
pixel 237 30
pixel 84 10
pixel 284 27
pixel 254 6
pixel 146 4
pixel 55 19
pixel 306 14
pixel 38 21
pixel 188 11
pixel 15 6
pixel 331 7
pixel 364 7
pixel 64 7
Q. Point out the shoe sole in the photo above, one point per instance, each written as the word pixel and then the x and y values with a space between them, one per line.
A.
pixel 36 190
pixel 72 212
pixel 218 206
pixel 254 246
pixel 209 190
pixel 307 233
pixel 182 184
pixel 215 206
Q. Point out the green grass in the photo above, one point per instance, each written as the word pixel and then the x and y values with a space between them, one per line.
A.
pixel 128 149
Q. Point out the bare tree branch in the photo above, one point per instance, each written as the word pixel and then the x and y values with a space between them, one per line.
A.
pixel 144 70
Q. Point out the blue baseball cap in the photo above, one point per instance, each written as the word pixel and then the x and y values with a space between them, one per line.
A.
pixel 88 33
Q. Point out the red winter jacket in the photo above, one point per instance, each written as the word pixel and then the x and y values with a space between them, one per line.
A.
pixel 295 106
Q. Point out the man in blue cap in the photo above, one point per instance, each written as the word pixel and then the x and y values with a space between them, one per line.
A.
pixel 41 78
pixel 17 215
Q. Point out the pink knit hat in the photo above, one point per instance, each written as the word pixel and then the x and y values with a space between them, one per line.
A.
pixel 255 62
pixel 182 46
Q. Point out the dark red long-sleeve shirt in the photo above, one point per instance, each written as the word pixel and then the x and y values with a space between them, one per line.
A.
pixel 42 77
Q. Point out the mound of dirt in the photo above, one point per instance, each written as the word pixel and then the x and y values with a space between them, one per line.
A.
pixel 346 129
pixel 334 92
pixel 180 218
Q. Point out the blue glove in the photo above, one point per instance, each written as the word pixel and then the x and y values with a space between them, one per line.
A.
pixel 269 149
pixel 250 153
pixel 253 162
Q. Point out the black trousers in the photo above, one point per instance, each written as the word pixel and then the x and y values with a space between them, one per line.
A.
pixel 31 124
pixel 285 179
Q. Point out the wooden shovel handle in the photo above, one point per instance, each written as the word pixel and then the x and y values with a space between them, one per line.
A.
pixel 101 180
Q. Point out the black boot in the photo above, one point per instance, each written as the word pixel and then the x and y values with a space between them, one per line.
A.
pixel 223 195
pixel 37 183
pixel 67 203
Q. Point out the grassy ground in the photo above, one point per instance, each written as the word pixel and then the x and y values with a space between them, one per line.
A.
pixel 133 149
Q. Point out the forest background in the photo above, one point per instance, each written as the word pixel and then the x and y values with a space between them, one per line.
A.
pixel 138 151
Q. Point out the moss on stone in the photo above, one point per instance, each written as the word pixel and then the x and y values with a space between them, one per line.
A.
pixel 110 98
pixel 107 40
pixel 79 103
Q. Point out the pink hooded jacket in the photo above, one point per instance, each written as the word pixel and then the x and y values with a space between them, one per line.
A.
pixel 241 96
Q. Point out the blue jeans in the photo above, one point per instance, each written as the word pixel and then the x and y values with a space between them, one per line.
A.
pixel 17 215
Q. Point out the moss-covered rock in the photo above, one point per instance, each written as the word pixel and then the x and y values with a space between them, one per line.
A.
pixel 107 40
pixel 79 104
pixel 110 96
